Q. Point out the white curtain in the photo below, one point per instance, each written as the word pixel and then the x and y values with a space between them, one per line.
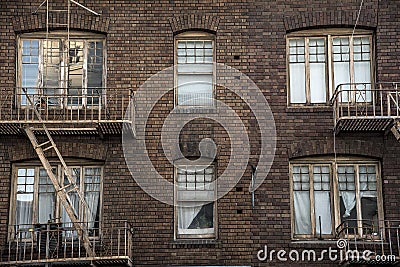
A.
pixel 349 201
pixel 186 215
pixel 92 200
pixel 323 210
pixel 24 211
pixel 46 207
pixel 302 212
pixel 297 83
pixel 362 74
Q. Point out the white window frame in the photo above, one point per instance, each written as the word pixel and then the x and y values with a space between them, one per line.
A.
pixel 194 233
pixel 334 192
pixel 328 35
pixel 63 85
pixel 194 36
pixel 58 205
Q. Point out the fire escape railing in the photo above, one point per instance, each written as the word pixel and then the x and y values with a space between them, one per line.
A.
pixel 378 240
pixel 55 242
pixel 366 101
pixel 56 105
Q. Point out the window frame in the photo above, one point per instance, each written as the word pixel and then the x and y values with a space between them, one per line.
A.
pixel 328 35
pixel 177 235
pixel 356 162
pixel 57 204
pixel 63 76
pixel 194 36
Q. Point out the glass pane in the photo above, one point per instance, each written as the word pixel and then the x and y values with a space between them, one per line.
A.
pixel 195 90
pixel 317 83
pixel 297 83
pixel 196 216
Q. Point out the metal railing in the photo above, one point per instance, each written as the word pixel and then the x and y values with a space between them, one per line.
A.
pixel 194 99
pixel 57 105
pixel 54 242
pixel 366 101
pixel 379 238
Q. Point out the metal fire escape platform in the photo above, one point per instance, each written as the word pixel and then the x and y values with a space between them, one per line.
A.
pixel 366 107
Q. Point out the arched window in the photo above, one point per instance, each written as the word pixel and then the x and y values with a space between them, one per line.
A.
pixel 327 192
pixel 60 73
pixel 319 60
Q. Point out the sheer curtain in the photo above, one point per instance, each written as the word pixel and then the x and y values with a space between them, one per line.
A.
pixel 322 202
pixel 186 216
pixel 302 212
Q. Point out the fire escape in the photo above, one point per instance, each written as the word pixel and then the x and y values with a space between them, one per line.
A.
pixel 40 115
pixel 368 107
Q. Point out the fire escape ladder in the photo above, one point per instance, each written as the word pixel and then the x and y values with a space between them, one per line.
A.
pixel 62 191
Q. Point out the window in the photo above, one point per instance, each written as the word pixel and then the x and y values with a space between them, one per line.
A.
pixel 34 200
pixel 195 205
pixel 54 73
pixel 318 61
pixel 194 72
pixel 319 204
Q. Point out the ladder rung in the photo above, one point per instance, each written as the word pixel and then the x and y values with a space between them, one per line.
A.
pixel 65 187
pixel 43 144
pixel 47 148
pixel 58 10
pixel 59 24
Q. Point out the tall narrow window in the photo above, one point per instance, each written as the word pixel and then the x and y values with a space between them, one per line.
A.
pixel 312 200
pixel 195 211
pixel 194 72
pixel 319 61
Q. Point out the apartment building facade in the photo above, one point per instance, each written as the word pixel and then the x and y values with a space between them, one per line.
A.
pixel 301 96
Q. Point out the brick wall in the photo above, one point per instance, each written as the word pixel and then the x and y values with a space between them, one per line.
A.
pixel 250 36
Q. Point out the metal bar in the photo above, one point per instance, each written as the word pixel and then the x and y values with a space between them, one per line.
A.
pixel 82 6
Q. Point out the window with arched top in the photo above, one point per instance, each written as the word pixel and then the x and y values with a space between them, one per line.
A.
pixel 328 192
pixel 194 69
pixel 63 70
pixel 319 60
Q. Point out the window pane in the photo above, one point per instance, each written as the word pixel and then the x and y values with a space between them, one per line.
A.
pixel 297 83
pixel 46 197
pixel 92 195
pixel 302 213
pixel 196 218
pixel 95 65
pixel 195 90
pixel 362 74
pixel 317 83
pixel 322 200
pixel 24 199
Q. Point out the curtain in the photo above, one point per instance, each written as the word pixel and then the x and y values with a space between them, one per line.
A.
pixel 46 207
pixel 186 216
pixel 349 201
pixel 92 200
pixel 302 212
pixel 322 204
pixel 24 210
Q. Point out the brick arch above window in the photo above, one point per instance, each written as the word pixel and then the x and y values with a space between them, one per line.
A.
pixel 343 147
pixel 23 151
pixel 79 21
pixel 309 20
pixel 194 22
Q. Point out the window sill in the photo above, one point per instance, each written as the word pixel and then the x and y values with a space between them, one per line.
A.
pixel 196 110
pixel 188 243
pixel 299 109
